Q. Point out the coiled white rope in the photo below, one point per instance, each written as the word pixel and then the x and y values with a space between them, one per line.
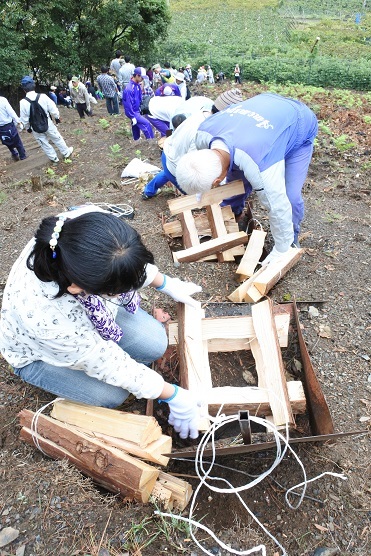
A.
pixel 34 423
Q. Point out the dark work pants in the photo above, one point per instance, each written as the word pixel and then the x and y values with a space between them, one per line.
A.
pixel 10 138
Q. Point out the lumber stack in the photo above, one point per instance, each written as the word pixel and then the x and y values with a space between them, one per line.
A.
pixel 109 446
pixel 216 222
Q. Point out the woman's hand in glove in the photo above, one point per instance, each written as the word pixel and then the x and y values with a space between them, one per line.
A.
pixel 179 290
pixel 184 412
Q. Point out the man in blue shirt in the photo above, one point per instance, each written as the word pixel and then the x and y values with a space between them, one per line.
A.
pixel 131 100
pixel 267 141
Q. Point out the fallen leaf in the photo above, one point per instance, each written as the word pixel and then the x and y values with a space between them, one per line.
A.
pixel 321 528
pixel 364 419
pixel 325 332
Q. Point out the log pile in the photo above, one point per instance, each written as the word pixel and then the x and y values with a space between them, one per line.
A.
pixel 109 446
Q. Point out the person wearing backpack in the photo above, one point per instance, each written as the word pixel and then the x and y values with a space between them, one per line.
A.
pixel 36 111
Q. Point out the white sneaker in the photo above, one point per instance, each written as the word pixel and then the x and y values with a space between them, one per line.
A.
pixel 55 160
pixel 69 152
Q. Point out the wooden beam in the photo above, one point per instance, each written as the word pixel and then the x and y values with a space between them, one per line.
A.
pixel 209 247
pixel 269 363
pixel 194 368
pixel 218 229
pixel 140 429
pixel 232 333
pixel 190 233
pixel 216 195
pixel 273 272
pixel 246 288
pixel 174 228
pixel 252 255
pixel 96 459
pixel 253 399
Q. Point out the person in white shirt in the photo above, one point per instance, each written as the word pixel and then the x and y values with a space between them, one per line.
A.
pixel 116 63
pixel 180 81
pixel 161 110
pixel 71 323
pixel 9 135
pixel 52 133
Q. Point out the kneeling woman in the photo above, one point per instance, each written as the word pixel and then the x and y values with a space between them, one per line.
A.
pixel 71 322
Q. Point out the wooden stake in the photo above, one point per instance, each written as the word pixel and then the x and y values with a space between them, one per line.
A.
pixel 218 230
pixel 273 272
pixel 210 247
pixel 215 195
pixel 181 490
pixel 153 452
pixel 252 254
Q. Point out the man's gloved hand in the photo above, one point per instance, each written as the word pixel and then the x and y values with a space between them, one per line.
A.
pixel 179 290
pixel 274 256
pixel 133 121
pixel 184 413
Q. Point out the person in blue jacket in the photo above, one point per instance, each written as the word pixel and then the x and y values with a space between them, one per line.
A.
pixel 267 141
pixel 131 100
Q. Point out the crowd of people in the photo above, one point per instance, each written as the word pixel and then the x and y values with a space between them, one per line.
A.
pixel 71 321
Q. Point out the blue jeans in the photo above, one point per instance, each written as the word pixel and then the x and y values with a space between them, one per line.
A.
pixel 161 179
pixel 112 105
pixel 144 339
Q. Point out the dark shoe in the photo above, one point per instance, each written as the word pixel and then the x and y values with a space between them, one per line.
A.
pixel 15 157
pixel 296 242
pixel 145 197
pixel 23 157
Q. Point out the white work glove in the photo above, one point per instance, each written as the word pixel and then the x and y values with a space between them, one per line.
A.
pixel 21 126
pixel 184 412
pixel 274 256
pixel 133 121
pixel 179 290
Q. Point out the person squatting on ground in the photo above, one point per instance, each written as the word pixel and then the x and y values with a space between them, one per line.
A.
pixel 109 88
pixel 183 139
pixel 80 97
pixel 71 323
pixel 52 133
pixel 267 141
pixel 161 110
pixel 9 135
pixel 132 100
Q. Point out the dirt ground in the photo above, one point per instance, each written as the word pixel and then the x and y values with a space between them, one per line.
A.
pixel 58 511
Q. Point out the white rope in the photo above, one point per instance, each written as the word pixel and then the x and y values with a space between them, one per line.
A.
pixel 34 423
pixel 205 478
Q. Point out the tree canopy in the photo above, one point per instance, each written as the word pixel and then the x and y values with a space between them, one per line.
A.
pixel 51 39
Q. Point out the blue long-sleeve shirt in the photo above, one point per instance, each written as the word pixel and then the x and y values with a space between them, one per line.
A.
pixel 132 98
pixel 260 133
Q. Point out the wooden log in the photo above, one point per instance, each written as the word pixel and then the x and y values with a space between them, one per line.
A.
pixel 174 228
pixel 216 195
pixel 269 363
pixel 218 229
pixel 97 459
pixel 152 452
pixel 140 429
pixel 210 247
pixel 252 255
pixel 273 272
pixel 194 368
pixel 190 233
pixel 180 489
pixel 162 496
pixel 232 333
pixel 253 399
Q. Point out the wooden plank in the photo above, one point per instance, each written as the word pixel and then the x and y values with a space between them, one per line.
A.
pixel 194 368
pixel 153 452
pixel 273 272
pixel 253 252
pixel 237 331
pixel 218 229
pixel 269 363
pixel 162 496
pixel 216 195
pixel 95 457
pixel 209 247
pixel 174 228
pixel 239 294
pixel 253 399
pixel 190 233
pixel 140 429
pixel 180 489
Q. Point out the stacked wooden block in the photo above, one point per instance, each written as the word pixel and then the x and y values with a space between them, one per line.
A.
pixel 106 445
